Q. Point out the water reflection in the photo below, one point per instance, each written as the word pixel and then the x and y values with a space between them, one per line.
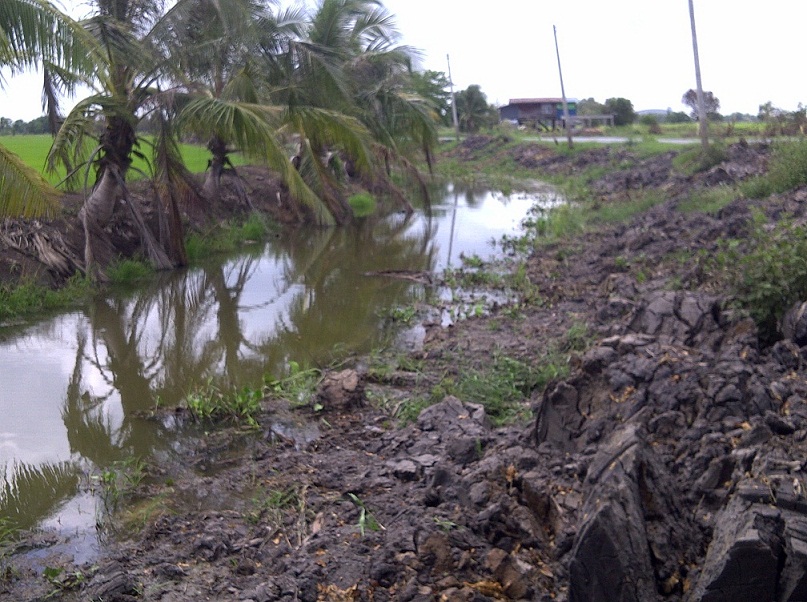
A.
pixel 75 388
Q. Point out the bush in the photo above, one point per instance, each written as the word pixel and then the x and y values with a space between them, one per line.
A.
pixel 770 276
pixel 128 271
pixel 652 124
pixel 362 203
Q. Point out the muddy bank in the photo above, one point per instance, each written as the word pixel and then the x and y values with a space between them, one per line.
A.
pixel 668 465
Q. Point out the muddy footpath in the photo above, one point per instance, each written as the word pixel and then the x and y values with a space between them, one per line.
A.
pixel 670 464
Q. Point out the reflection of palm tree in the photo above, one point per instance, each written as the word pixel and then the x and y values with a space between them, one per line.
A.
pixel 30 493
pixel 340 304
pixel 88 429
pixel 228 297
pixel 169 338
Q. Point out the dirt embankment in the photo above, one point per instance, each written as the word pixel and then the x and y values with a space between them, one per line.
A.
pixel 669 465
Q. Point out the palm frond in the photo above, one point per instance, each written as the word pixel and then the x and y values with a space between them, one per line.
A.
pixel 34 30
pixel 23 191
pixel 326 128
pixel 251 128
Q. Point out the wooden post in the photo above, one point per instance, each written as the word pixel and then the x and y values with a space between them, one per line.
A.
pixel 563 93
pixel 703 123
pixel 453 102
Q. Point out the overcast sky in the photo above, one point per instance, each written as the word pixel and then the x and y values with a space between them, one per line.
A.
pixel 636 49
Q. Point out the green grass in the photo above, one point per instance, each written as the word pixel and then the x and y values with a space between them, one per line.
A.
pixel 129 271
pixel 33 150
pixel 29 298
pixel 227 237
pixel 787 169
pixel 708 200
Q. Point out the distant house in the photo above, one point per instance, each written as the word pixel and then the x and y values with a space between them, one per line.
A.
pixel 535 112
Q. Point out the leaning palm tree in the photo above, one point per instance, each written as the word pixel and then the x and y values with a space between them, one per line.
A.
pixel 226 68
pixel 33 33
pixel 377 77
pixel 125 89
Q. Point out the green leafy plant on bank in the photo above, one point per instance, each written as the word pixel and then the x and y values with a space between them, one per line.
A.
pixel 210 403
pixel 120 479
pixel 64 581
pixel 367 521
pixel 767 274
pixel 297 387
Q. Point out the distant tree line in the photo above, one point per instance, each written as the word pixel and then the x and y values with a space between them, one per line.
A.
pixel 35 126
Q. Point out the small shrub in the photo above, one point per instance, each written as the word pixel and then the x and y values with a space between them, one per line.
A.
pixel 254 229
pixel 652 124
pixel 769 276
pixel 129 271
pixel 362 203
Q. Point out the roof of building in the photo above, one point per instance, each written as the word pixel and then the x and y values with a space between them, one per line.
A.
pixel 524 101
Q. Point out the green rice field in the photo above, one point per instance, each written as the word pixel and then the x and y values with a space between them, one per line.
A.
pixel 33 150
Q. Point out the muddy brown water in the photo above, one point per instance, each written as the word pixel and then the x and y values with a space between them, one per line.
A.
pixel 76 389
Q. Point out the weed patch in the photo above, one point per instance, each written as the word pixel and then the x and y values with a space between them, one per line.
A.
pixel 708 200
pixel 227 238
pixel 129 271
pixel 209 403
pixel 29 298
pixel 787 169
pixel 695 160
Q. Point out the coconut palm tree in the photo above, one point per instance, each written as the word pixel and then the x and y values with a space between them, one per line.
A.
pixel 232 70
pixel 33 33
pixel 351 53
pixel 125 89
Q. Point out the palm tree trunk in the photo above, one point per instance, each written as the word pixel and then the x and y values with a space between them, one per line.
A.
pixel 154 251
pixel 95 214
pixel 212 185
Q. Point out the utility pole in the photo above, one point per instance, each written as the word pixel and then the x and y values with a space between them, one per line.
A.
pixel 702 123
pixel 453 102
pixel 566 119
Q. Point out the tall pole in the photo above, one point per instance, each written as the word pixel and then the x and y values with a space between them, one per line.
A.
pixel 563 92
pixel 703 126
pixel 453 102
